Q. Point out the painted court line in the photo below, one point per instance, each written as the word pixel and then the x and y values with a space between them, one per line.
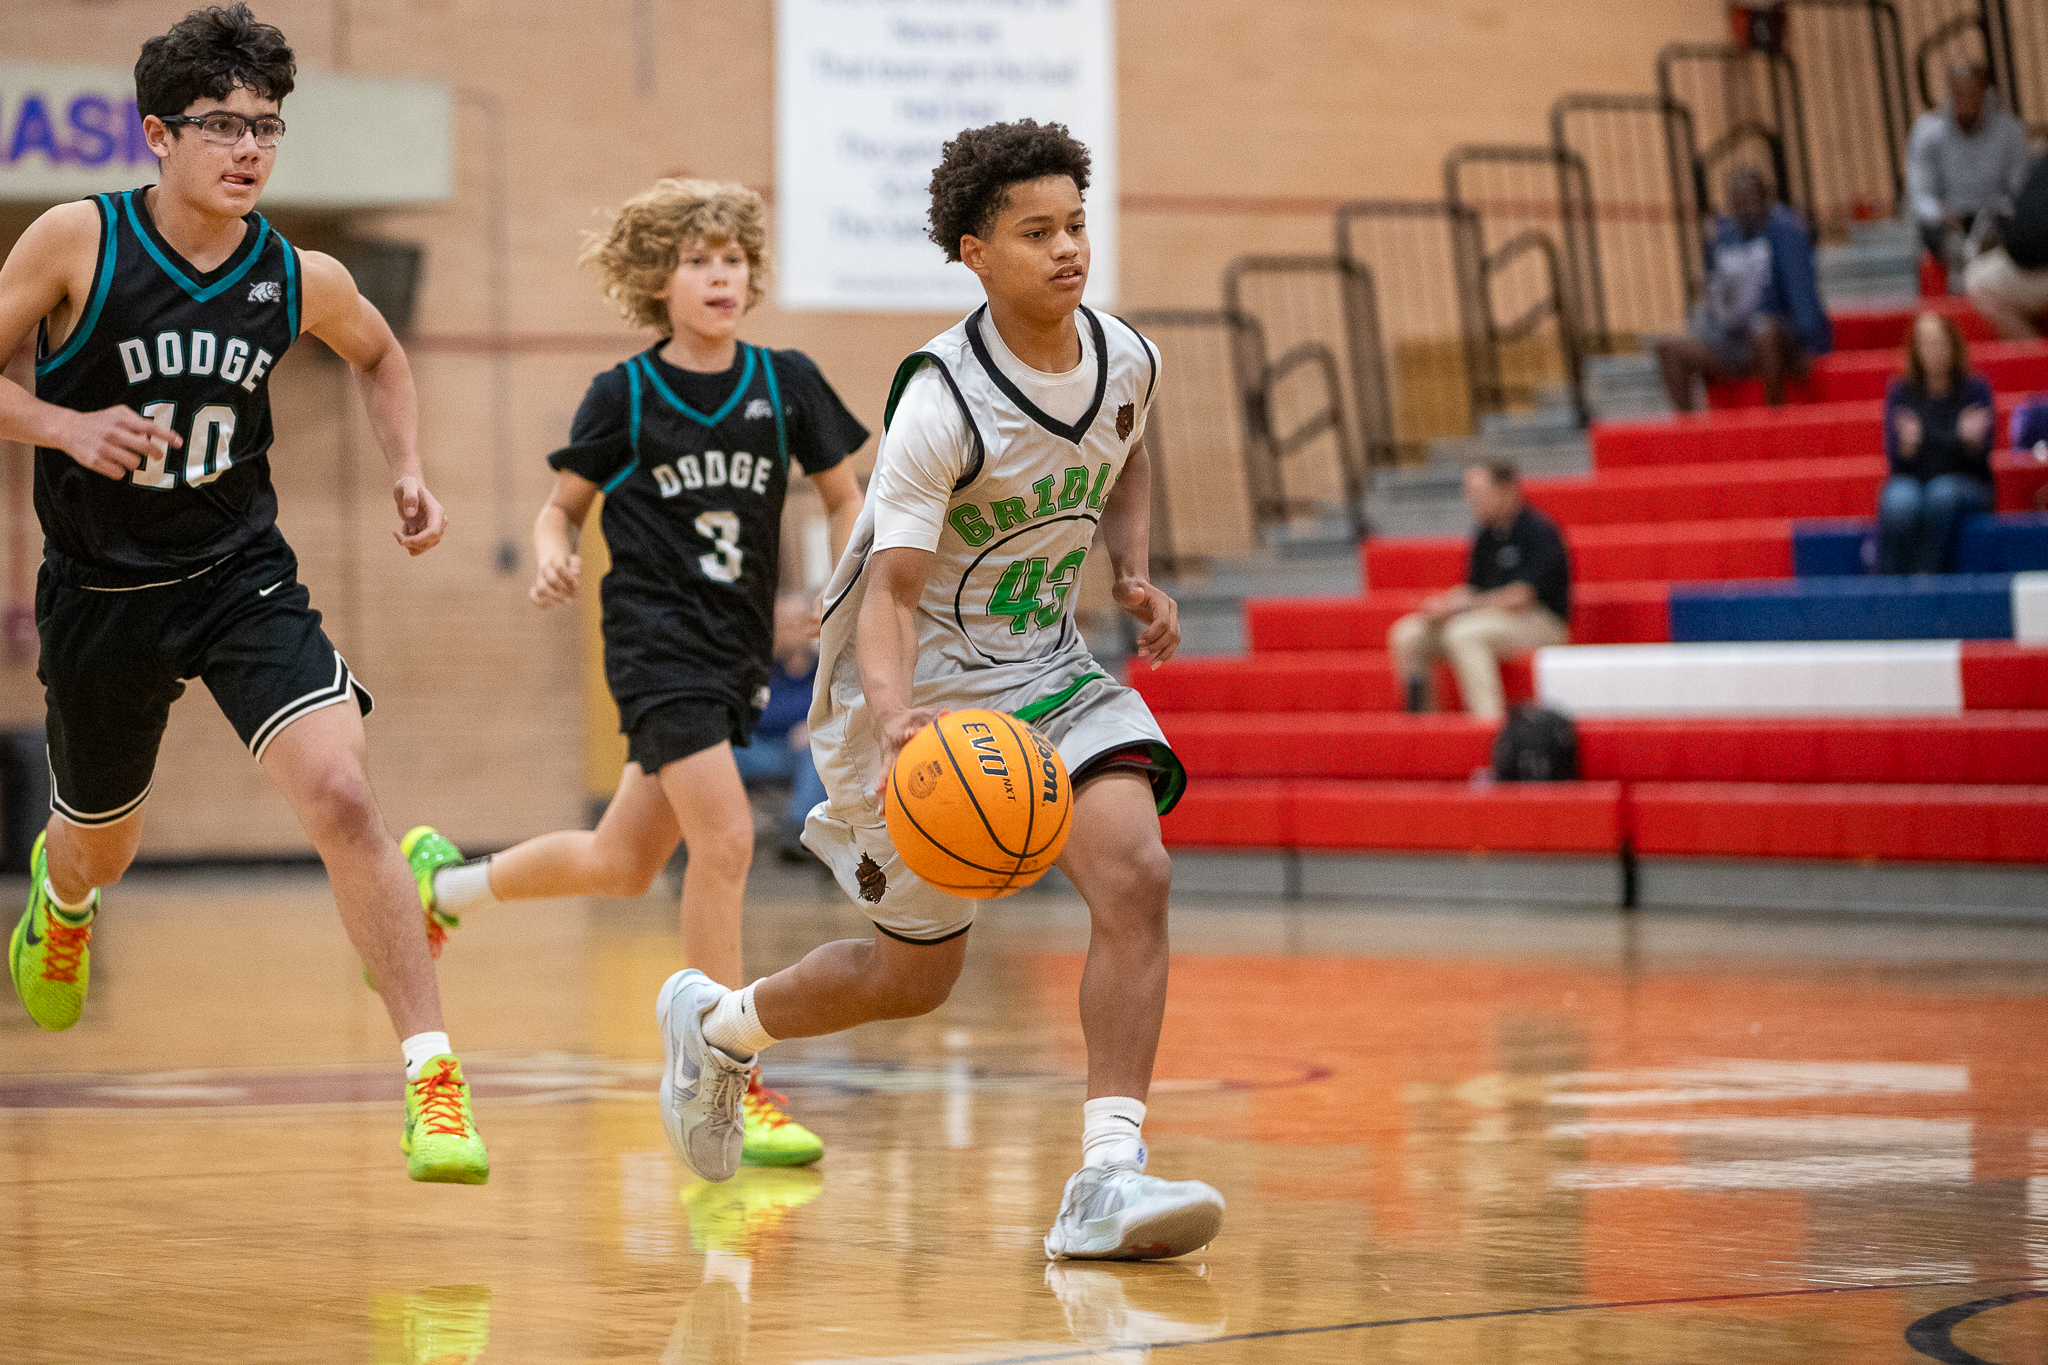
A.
pixel 1325 1328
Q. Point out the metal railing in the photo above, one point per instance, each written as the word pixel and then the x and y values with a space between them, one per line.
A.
pixel 1746 110
pixel 1419 318
pixel 1640 157
pixel 1298 357
pixel 1195 434
pixel 1851 56
pixel 1536 260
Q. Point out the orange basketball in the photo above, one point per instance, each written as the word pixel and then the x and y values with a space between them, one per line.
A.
pixel 978 804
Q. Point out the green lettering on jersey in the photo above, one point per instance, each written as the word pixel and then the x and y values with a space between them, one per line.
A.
pixel 1010 512
pixel 1061 580
pixel 1075 489
pixel 966 519
pixel 1101 487
pixel 1044 490
pixel 1016 594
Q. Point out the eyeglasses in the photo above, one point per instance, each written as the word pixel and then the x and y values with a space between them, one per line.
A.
pixel 226 129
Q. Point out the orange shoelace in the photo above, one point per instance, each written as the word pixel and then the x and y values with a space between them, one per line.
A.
pixel 440 1095
pixel 763 1104
pixel 66 945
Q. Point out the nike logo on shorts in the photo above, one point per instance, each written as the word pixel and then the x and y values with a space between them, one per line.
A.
pixel 265 592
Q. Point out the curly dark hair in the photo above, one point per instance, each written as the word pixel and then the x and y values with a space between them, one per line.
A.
pixel 972 184
pixel 206 55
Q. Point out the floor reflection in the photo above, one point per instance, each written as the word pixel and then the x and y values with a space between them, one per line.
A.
pixel 1446 1136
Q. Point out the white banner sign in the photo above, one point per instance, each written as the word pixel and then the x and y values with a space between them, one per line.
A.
pixel 351 141
pixel 867 93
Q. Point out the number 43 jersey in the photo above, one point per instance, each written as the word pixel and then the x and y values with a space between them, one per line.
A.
pixel 693 467
pixel 996 622
pixel 191 350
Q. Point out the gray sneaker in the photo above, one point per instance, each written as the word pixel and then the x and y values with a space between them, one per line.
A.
pixel 702 1089
pixel 1117 1213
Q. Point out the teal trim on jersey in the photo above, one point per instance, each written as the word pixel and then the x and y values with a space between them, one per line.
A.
pixel 775 402
pixel 219 286
pixel 739 390
pixel 103 283
pixel 632 429
pixel 291 286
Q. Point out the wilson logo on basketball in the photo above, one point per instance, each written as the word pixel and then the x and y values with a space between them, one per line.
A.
pixel 924 779
pixel 1048 765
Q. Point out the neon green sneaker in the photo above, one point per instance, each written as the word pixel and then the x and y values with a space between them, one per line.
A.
pixel 733 1216
pixel 428 851
pixel 773 1137
pixel 50 954
pixel 441 1143
pixel 446 1325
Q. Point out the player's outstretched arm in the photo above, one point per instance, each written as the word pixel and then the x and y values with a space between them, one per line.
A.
pixel 1126 531
pixel 885 640
pixel 555 532
pixel 50 269
pixel 840 491
pixel 349 323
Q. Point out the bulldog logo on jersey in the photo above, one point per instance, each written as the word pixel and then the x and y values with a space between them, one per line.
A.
pixel 1126 418
pixel 266 291
pixel 873 881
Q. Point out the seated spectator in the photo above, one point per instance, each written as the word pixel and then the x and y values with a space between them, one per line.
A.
pixel 1937 436
pixel 2030 433
pixel 1762 316
pixel 781 746
pixel 1964 164
pixel 2009 283
pixel 1516 597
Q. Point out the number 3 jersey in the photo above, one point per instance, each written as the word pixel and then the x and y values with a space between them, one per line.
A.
pixel 192 350
pixel 996 625
pixel 693 467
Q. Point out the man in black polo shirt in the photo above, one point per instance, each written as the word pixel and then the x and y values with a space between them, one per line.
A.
pixel 1516 597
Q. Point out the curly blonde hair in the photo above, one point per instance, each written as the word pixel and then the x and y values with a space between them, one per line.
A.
pixel 636 255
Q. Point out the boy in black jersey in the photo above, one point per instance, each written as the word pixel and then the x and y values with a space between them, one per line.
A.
pixel 693 443
pixel 158 315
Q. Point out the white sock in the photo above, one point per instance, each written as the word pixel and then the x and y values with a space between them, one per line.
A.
pixel 422 1048
pixel 76 912
pixel 1112 1132
pixel 734 1029
pixel 464 887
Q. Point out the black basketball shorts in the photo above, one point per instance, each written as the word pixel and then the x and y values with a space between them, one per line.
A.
pixel 113 661
pixel 672 730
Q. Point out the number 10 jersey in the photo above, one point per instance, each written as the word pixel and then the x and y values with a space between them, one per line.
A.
pixel 191 350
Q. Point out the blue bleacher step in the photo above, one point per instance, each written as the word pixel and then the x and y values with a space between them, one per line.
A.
pixel 1999 542
pixel 1878 607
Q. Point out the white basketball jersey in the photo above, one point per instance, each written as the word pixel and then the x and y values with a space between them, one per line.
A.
pixel 998 607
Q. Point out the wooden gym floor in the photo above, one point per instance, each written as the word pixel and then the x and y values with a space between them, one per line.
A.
pixel 1446 1136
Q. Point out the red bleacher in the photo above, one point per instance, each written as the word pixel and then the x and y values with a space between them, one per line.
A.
pixel 2011 366
pixel 1302 743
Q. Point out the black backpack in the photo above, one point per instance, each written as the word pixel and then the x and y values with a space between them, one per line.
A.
pixel 1536 744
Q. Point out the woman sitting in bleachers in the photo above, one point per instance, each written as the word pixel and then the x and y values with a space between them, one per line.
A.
pixel 1937 437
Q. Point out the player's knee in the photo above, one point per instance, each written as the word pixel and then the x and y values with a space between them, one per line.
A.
pixel 340 808
pixel 627 877
pixel 1131 893
pixel 728 849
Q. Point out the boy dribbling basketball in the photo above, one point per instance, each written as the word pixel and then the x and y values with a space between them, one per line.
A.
pixel 1012 444
pixel 693 442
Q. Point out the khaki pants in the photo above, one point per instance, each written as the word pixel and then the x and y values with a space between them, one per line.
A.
pixel 1474 642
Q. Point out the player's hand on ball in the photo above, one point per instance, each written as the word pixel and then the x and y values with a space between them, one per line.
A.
pixel 114 440
pixel 895 731
pixel 556 581
pixel 420 518
pixel 1156 612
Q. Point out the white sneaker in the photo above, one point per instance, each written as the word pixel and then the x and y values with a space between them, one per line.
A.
pixel 1119 1213
pixel 702 1089
pixel 1123 1306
